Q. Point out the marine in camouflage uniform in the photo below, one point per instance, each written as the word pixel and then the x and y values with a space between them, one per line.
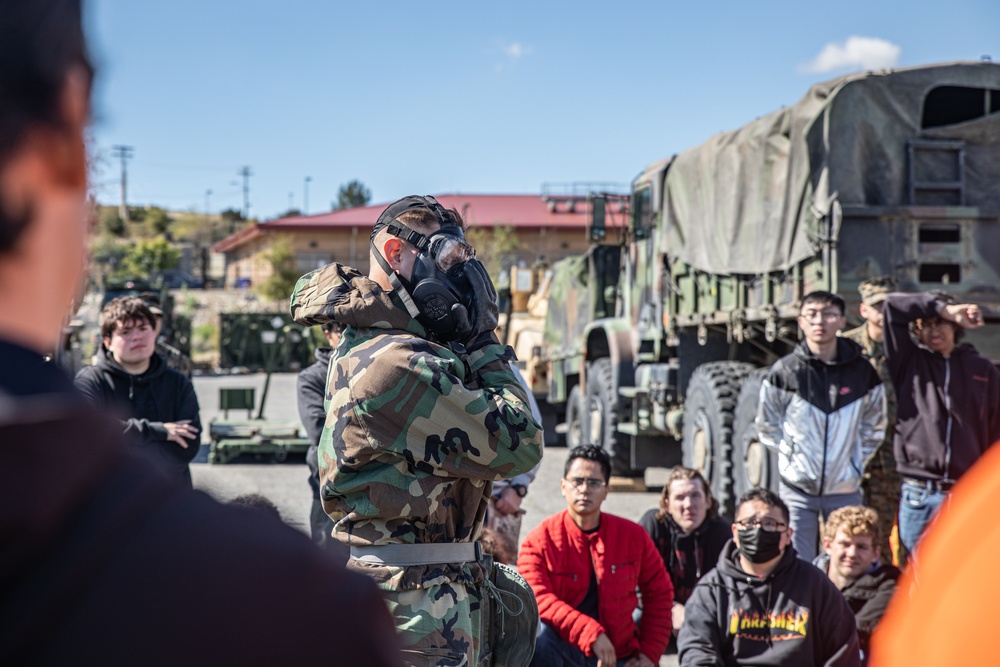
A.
pixel 881 485
pixel 415 435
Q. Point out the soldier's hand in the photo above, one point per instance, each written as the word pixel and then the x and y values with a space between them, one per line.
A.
pixel 604 650
pixel 508 502
pixel 486 312
pixel 181 431
pixel 640 660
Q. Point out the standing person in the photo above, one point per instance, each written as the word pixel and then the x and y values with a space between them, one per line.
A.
pixel 688 532
pixel 103 553
pixel 948 397
pixel 311 385
pixel 424 413
pixel 822 408
pixel 157 405
pixel 504 514
pixel 852 561
pixel 762 605
pixel 880 487
pixel 585 567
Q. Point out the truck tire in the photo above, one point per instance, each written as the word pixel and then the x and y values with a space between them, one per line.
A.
pixel 708 425
pixel 754 465
pixel 574 418
pixel 600 418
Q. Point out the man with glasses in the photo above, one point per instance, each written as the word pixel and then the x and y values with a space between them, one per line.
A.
pixel 585 567
pixel 948 396
pixel 762 605
pixel 822 407
pixel 423 413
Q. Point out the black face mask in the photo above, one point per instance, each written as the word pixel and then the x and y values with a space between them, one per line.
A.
pixel 758 545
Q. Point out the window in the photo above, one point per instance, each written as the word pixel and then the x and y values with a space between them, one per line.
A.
pixel 948 105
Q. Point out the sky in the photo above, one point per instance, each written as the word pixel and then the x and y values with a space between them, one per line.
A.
pixel 463 97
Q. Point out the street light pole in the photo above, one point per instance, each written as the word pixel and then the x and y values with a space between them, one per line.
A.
pixel 305 196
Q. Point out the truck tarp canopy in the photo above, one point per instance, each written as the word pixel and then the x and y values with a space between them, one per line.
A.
pixel 753 200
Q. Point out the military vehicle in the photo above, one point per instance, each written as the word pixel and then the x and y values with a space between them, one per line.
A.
pixel 270 342
pixel 887 172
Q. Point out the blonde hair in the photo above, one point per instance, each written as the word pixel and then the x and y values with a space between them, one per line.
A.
pixel 855 520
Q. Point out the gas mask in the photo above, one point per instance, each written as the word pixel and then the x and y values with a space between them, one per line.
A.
pixel 438 288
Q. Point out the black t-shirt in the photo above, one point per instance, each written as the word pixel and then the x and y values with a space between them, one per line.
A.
pixel 589 604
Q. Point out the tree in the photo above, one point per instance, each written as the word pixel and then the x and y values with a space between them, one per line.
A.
pixel 111 222
pixel 157 220
pixel 233 219
pixel 493 246
pixel 279 286
pixel 149 256
pixel 352 195
pixel 291 213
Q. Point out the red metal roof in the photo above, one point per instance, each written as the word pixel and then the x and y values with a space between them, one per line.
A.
pixel 517 211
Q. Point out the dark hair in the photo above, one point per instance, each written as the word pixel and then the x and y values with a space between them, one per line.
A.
pixel 40 42
pixel 333 326
pixel 682 473
pixel 766 496
pixel 821 297
pixel 590 453
pixel 256 501
pixel 122 310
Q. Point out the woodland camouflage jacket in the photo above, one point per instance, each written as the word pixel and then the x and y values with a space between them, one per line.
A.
pixel 415 433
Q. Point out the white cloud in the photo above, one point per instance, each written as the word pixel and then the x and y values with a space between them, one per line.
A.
pixel 516 50
pixel 855 53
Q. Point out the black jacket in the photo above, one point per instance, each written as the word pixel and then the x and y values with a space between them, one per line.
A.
pixel 948 409
pixel 144 403
pixel 794 616
pixel 311 385
pixel 868 596
pixel 104 559
pixel 687 557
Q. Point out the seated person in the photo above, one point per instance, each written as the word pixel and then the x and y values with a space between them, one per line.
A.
pixel 762 604
pixel 851 539
pixel 688 532
pixel 585 567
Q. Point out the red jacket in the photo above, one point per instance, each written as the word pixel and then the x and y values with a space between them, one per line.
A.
pixel 556 560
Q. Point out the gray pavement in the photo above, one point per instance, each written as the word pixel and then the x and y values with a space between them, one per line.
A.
pixel 285 483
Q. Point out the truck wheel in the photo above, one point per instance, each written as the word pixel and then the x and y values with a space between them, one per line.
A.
pixel 708 425
pixel 600 418
pixel 574 423
pixel 754 465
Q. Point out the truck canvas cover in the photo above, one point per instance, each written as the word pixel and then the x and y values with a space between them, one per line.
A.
pixel 754 200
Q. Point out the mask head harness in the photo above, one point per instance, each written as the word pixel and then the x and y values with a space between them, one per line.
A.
pixel 438 295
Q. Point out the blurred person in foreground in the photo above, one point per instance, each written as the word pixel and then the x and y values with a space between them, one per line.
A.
pixel 852 560
pixel 762 604
pixel 688 532
pixel 423 414
pixel 588 570
pixel 944 609
pixel 103 557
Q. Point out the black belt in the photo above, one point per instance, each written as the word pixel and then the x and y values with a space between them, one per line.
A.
pixel 936 485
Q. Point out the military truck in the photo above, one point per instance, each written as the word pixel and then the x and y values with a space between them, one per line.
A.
pixel 887 172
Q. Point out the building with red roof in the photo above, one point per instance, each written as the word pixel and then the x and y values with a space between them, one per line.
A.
pixel 549 227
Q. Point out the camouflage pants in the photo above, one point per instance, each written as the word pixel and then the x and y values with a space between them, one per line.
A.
pixel 438 625
pixel 881 492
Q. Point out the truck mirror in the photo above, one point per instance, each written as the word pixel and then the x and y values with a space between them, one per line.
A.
pixel 597 230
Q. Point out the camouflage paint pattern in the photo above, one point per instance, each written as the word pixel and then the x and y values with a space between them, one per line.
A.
pixel 416 433
pixel 881 485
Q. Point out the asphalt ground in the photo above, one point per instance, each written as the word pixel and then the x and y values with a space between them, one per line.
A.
pixel 286 486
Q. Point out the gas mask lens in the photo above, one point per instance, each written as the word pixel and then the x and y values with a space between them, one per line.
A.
pixel 450 253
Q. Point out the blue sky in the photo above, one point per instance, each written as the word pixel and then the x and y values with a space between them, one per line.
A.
pixel 464 97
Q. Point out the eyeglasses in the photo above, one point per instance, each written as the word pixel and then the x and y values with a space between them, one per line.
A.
pixel 769 525
pixel 825 315
pixel 589 482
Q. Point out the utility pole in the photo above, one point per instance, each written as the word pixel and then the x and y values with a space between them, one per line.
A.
pixel 305 196
pixel 246 174
pixel 208 199
pixel 125 153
